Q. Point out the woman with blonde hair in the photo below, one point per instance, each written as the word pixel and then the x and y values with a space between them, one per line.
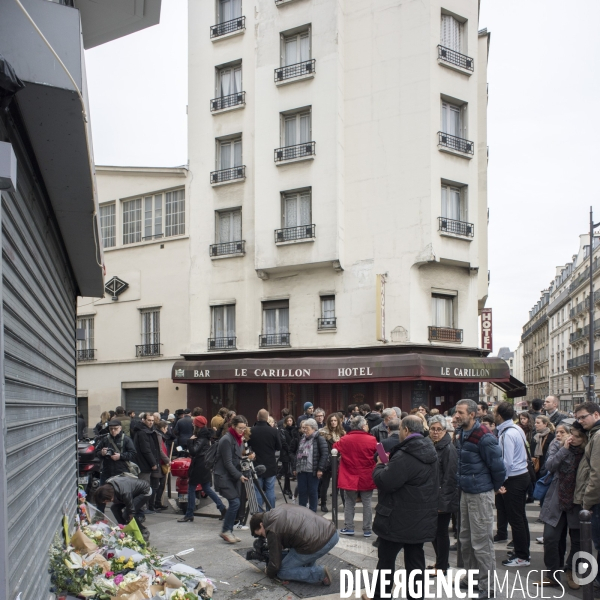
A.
pixel 102 427
pixel 544 435
pixel 332 432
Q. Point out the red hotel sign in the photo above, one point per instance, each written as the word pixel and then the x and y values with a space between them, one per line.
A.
pixel 486 329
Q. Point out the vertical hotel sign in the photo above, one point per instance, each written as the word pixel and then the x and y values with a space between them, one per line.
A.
pixel 486 329
pixel 380 308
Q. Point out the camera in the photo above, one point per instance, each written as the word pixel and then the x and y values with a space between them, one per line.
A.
pixel 260 552
pixel 109 452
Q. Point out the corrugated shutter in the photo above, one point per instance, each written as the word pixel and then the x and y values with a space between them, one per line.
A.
pixel 142 400
pixel 38 295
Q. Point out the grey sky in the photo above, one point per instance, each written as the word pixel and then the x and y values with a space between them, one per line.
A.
pixel 544 85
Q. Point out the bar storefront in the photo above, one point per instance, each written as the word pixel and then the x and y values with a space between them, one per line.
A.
pixel 331 381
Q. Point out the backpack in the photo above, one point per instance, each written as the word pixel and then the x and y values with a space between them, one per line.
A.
pixel 210 456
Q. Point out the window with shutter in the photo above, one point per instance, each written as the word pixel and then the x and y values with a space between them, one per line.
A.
pixel 151 327
pixel 87 324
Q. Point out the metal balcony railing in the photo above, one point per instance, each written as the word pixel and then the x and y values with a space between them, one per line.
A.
pixel 583 332
pixel 327 323
pixel 227 27
pixel 456 227
pixel 308 67
pixel 268 340
pixel 228 248
pixel 85 355
pixel 228 174
pixel 222 343
pixel 297 151
pixel 147 350
pixel 455 58
pixel 227 101
pixel 582 361
pixel 445 334
pixel 289 234
pixel 455 143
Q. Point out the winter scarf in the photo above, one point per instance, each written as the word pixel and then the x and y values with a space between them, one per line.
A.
pixel 236 436
pixel 567 475
pixel 539 438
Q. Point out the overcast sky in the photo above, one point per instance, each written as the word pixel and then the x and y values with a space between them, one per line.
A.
pixel 544 82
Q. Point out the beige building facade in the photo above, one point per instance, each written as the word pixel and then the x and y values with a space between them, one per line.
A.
pixel 130 338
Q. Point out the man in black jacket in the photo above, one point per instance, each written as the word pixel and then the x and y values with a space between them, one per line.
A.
pixel 148 454
pixel 265 441
pixel 128 495
pixel 552 412
pixel 393 438
pixel 407 511
pixel 184 429
pixel 374 418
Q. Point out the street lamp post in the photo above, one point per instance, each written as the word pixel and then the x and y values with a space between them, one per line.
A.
pixel 591 377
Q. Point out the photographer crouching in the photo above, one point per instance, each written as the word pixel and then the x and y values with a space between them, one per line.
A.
pixel 304 534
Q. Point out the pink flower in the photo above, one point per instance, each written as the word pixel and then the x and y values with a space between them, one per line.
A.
pixel 109 574
pixel 119 579
pixel 121 535
pixel 121 526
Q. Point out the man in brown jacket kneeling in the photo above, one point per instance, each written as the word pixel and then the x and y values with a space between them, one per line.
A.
pixel 306 535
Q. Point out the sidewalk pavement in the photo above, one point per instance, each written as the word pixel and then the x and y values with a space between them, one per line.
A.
pixel 238 578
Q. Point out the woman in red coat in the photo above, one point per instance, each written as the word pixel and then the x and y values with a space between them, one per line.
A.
pixel 357 449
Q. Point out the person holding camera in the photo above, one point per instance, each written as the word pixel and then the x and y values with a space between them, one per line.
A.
pixel 307 537
pixel 115 450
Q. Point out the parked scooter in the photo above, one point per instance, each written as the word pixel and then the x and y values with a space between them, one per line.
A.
pixel 89 467
pixel 180 468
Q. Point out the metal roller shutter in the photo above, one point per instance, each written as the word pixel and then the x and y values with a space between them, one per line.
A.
pixel 142 400
pixel 39 402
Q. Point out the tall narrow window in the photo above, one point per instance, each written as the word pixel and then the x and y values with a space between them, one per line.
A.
pixel 276 317
pixel 442 308
pixel 85 347
pixel 229 9
pixel 132 221
pixel 454 204
pixel 229 81
pixel 296 129
pixel 327 320
pixel 452 120
pixel 175 213
pixel 153 217
pixel 296 209
pixel 150 327
pixel 296 48
pixel 223 322
pixel 229 226
pixel 230 154
pixel 107 226
pixel 451 33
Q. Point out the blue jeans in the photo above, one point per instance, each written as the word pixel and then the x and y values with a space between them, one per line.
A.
pixel 308 490
pixel 192 498
pixel 267 484
pixel 302 567
pixel 231 514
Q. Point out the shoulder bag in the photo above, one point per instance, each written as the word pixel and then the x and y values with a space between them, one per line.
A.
pixel 133 468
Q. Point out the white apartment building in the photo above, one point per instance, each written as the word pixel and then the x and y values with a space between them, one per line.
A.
pixel 337 203
pixel 129 339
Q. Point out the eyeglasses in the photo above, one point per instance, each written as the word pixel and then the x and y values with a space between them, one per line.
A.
pixel 436 430
pixel 583 417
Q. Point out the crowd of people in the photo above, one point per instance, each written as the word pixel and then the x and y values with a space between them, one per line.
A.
pixel 432 473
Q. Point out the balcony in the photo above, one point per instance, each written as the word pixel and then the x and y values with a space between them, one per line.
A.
pixel 445 334
pixel 455 60
pixel 454 144
pixel 86 355
pixel 582 361
pixel 292 234
pixel 224 102
pixel 228 175
pixel 298 152
pixel 327 323
pixel 228 28
pixel 583 333
pixel 272 340
pixel 228 248
pixel 147 350
pixel 291 73
pixel 456 227
pixel 222 343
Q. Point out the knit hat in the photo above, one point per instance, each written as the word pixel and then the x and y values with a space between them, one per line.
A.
pixel 171 417
pixel 307 405
pixel 199 421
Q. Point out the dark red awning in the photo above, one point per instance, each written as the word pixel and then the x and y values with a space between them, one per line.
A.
pixel 340 369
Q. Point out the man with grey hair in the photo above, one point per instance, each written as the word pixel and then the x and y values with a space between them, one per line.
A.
pixel 356 449
pixel 407 510
pixel 380 431
pixel 481 473
pixel 319 417
pixel 393 438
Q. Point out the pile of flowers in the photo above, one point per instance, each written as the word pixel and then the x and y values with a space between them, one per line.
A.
pixel 106 561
